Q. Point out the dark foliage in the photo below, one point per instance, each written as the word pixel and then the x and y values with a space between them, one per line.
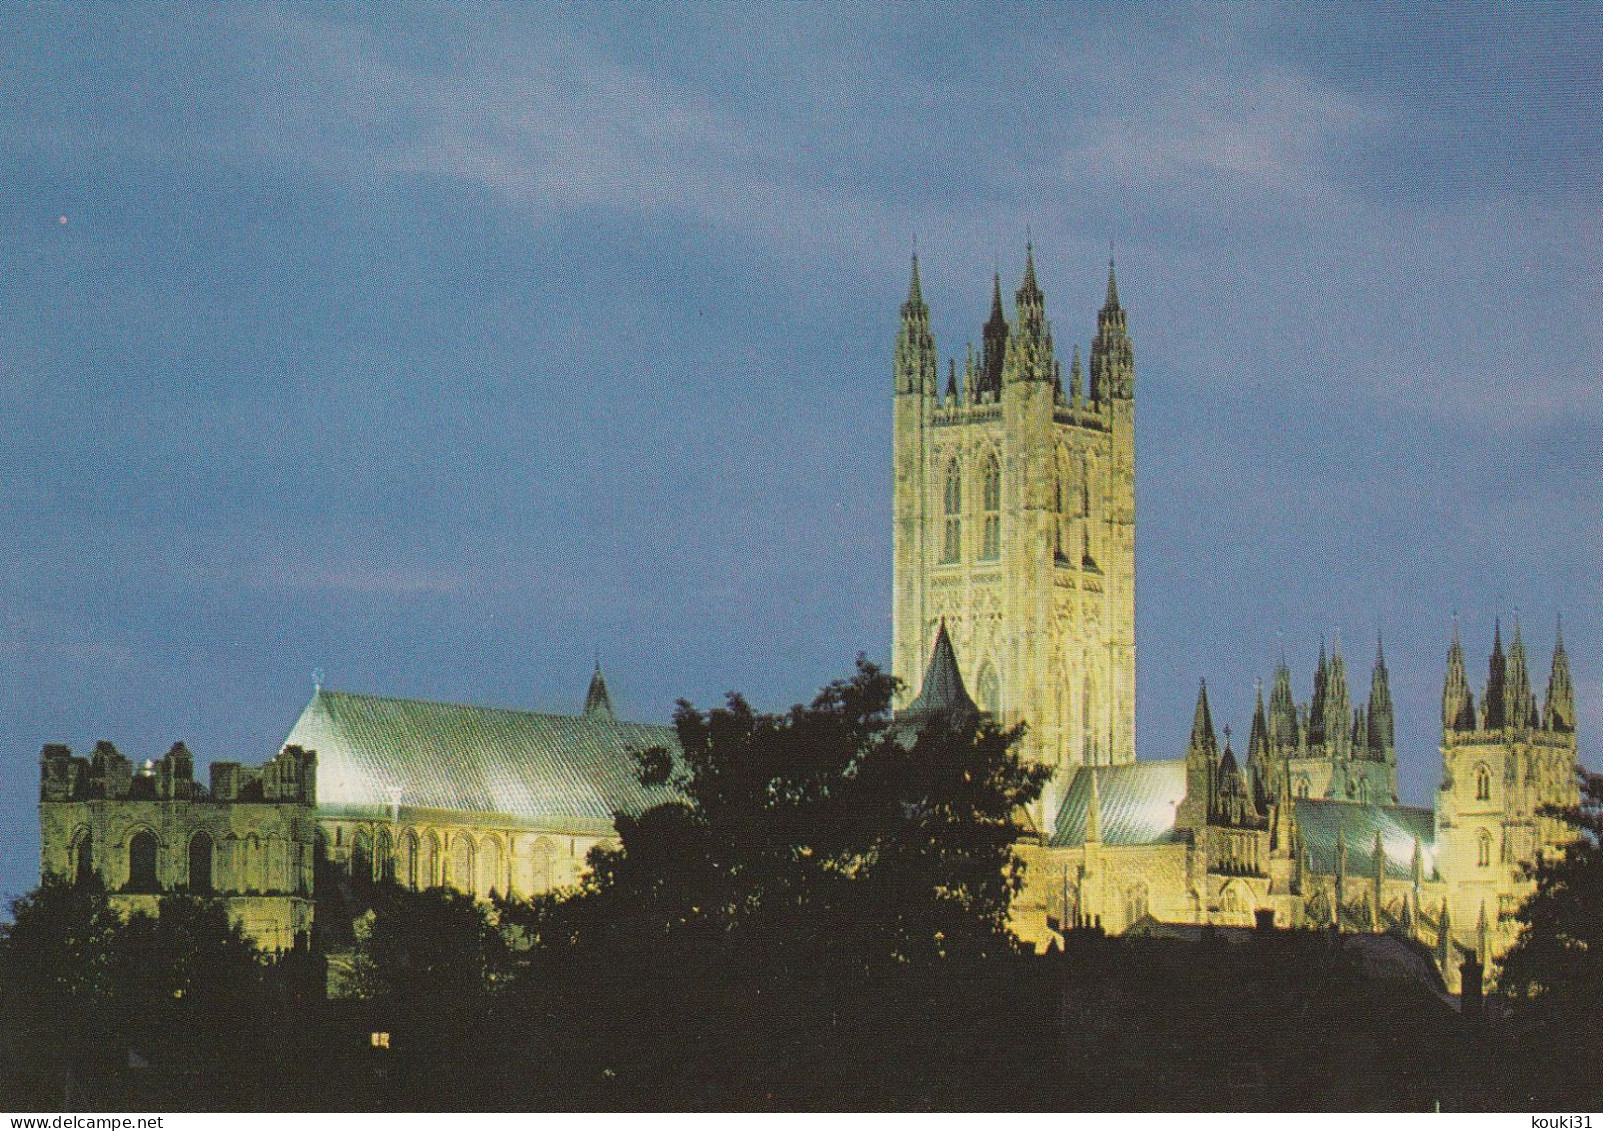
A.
pixel 1551 980
pixel 826 837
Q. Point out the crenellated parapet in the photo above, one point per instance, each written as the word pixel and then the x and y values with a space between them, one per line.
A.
pixel 144 831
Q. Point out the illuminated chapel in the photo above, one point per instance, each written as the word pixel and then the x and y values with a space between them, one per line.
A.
pixel 1013 492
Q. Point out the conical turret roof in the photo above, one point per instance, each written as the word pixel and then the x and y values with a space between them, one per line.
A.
pixel 943 689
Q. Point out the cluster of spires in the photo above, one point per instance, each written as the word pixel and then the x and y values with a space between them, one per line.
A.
pixel 1327 727
pixel 1021 351
pixel 1508 701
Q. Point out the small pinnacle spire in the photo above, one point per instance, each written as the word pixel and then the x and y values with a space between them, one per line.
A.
pixel 915 293
pixel 1029 268
pixel 597 703
pixel 996 297
pixel 1112 302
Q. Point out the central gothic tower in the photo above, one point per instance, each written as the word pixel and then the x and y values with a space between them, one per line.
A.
pixel 1014 502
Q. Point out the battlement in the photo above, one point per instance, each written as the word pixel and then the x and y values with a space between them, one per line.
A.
pixel 107 775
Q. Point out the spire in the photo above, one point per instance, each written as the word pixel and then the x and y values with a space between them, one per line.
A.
pixel 1112 354
pixel 1482 951
pixel 1284 733
pixel 1417 866
pixel 1202 767
pixel 1029 285
pixel 1076 379
pixel 1204 740
pixel 943 691
pixel 1458 703
pixel 1382 732
pixel 1559 710
pixel 597 703
pixel 995 344
pixel 1444 941
pixel 1493 700
pixel 1338 706
pixel 1518 701
pixel 1259 762
pixel 917 366
pixel 1029 344
pixel 1316 708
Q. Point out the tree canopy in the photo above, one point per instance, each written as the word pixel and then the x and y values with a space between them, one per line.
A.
pixel 1558 957
pixel 830 830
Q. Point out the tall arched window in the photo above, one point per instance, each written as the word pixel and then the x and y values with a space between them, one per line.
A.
pixel 1060 507
pixel 384 855
pixel 200 863
pixel 1135 903
pixel 361 856
pixel 545 854
pixel 1483 783
pixel 142 850
pixel 991 542
pixel 952 544
pixel 431 861
pixel 409 854
pixel 83 857
pixel 1483 849
pixel 1303 787
pixel 1091 721
pixel 462 854
pixel 490 868
pixel 990 689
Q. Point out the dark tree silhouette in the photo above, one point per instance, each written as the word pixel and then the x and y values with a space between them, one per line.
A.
pixel 427 948
pixel 1552 977
pixel 827 833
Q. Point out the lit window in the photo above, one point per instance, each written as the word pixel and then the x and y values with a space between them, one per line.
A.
pixel 952 545
pixel 991 546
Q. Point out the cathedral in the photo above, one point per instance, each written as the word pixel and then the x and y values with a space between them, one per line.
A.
pixel 1013 495
pixel 1014 503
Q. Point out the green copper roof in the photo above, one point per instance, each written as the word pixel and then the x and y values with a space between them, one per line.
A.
pixel 1319 823
pixel 530 768
pixel 1135 803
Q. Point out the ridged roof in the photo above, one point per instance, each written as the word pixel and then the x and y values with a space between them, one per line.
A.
pixel 1319 823
pixel 546 770
pixel 1135 803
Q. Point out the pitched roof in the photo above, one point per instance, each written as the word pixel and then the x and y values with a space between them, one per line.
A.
pixel 943 688
pixel 545 770
pixel 1135 803
pixel 1320 821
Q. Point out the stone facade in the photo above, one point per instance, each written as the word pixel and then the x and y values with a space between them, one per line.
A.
pixel 153 829
pixel 1014 503
pixel 1215 842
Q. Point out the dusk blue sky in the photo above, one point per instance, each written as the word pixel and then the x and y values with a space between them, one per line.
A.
pixel 445 348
